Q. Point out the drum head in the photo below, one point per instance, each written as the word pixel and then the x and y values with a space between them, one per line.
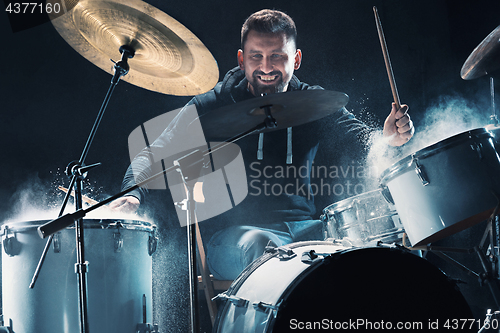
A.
pixel 369 289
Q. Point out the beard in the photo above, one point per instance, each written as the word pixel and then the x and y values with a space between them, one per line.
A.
pixel 260 88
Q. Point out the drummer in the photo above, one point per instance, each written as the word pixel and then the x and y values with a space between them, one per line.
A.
pixel 285 212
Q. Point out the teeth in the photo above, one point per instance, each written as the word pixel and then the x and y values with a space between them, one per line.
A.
pixel 267 78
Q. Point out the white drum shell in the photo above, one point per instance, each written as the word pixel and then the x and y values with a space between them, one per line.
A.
pixel 116 280
pixel 341 285
pixel 463 174
pixel 260 286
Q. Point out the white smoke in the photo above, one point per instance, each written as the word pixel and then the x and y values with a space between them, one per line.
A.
pixel 38 200
pixel 449 116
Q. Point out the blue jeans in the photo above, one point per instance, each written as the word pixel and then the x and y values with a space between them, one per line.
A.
pixel 232 249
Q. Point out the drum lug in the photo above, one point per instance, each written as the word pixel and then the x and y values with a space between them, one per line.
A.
pixel 264 307
pixel 284 253
pixel 8 242
pixel 310 257
pixel 477 147
pixel 117 236
pixel 237 301
pixel 152 244
pixel 419 169
pixel 57 242
pixel 386 193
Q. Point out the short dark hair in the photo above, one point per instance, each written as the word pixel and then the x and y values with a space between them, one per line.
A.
pixel 269 21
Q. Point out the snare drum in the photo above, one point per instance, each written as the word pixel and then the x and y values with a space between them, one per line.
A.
pixel 446 187
pixel 362 220
pixel 317 286
pixel 119 274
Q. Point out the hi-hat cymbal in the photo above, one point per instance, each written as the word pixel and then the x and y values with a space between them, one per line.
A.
pixel 288 109
pixel 168 57
pixel 485 58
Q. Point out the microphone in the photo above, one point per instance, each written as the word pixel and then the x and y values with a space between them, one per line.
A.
pixel 60 223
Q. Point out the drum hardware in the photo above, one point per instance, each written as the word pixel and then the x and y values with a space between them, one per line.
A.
pixel 57 243
pixel 118 244
pixel 363 219
pixel 419 170
pixel 152 244
pixel 484 59
pixel 189 161
pixel 487 320
pixel 144 327
pixel 237 301
pixel 117 280
pixel 266 307
pixel 286 297
pixel 169 59
pixel 489 261
pixel 82 30
pixel 287 109
pixel 8 242
pixel 77 171
pixel 445 206
pixel 311 256
pixel 283 252
pixel 96 29
pixel 493 117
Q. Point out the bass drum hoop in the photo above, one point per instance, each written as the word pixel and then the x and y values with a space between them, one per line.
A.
pixel 461 308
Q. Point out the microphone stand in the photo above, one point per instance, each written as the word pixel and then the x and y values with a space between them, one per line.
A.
pixel 194 158
pixel 77 171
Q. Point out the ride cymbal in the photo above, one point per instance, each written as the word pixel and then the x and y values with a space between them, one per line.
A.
pixel 485 58
pixel 288 109
pixel 168 57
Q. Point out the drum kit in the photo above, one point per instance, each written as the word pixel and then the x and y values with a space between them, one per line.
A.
pixel 431 194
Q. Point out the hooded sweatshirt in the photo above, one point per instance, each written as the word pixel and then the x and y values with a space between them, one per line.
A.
pixel 278 164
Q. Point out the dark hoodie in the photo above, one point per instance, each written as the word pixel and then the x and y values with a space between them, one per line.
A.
pixel 279 176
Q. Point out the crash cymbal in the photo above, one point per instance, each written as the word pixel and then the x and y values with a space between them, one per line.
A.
pixel 288 109
pixel 168 57
pixel 485 58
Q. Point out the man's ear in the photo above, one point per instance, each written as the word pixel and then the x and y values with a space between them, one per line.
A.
pixel 298 59
pixel 240 60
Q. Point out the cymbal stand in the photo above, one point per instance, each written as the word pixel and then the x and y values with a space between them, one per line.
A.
pixel 189 205
pixel 489 261
pixel 493 117
pixel 193 158
pixel 77 171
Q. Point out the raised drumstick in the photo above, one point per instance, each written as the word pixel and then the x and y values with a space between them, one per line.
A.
pixel 387 59
pixel 84 198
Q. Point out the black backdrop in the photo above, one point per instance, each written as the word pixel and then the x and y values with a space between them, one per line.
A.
pixel 50 96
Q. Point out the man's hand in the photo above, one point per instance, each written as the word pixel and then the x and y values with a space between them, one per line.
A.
pixel 398 127
pixel 126 204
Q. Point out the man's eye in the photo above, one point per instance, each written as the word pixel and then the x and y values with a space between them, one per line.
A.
pixel 276 55
pixel 257 56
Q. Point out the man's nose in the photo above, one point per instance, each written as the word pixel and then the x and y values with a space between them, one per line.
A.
pixel 266 65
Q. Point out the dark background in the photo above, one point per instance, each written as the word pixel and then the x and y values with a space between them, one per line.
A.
pixel 50 96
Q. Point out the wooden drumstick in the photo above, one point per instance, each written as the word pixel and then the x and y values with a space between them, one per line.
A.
pixel 84 198
pixel 387 59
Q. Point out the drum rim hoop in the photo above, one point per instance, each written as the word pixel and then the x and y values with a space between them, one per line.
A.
pixel 404 165
pixel 22 226
pixel 347 203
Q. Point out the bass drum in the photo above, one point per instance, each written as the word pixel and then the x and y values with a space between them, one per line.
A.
pixel 322 286
pixel 119 277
